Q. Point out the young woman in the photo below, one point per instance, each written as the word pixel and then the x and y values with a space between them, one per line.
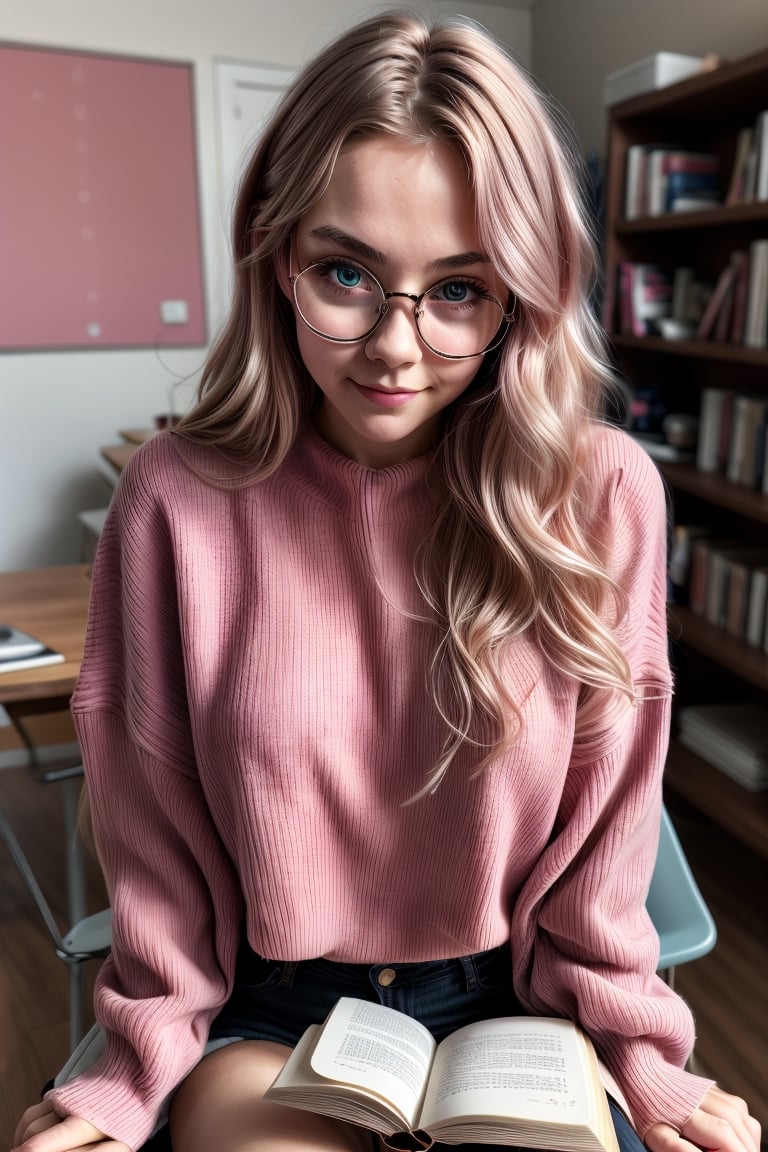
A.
pixel 375 696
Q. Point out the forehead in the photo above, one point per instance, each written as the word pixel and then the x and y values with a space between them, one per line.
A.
pixel 411 202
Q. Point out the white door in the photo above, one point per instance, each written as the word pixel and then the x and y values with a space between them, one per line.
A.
pixel 246 94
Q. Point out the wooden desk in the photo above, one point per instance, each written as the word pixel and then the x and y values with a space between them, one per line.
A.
pixel 52 605
pixel 118 455
pixel 137 435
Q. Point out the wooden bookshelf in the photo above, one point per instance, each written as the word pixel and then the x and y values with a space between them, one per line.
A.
pixel 692 349
pixel 704 113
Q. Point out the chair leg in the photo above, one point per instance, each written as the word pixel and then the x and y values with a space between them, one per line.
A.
pixel 76 882
pixel 668 976
pixel 76 1005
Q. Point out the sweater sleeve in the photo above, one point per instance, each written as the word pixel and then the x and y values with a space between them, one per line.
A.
pixel 177 908
pixel 588 949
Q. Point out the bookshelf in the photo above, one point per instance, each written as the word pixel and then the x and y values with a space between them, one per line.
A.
pixel 704 113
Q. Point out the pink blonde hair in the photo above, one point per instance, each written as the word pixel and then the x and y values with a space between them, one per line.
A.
pixel 510 548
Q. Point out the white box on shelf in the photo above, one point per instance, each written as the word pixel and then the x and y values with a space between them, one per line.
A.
pixel 645 75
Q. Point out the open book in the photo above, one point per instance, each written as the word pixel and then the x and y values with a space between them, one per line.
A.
pixel 529 1081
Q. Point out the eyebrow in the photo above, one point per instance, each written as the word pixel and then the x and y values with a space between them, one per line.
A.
pixel 359 248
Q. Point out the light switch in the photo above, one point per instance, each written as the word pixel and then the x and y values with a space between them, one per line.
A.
pixel 174 311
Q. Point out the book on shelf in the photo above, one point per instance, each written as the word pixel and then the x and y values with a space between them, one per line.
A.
pixel 761 142
pixel 745 451
pixel 672 173
pixel 740 294
pixel 745 148
pixel 714 429
pixel 20 650
pixel 702 548
pixel 534 1082
pixel 645 296
pixel 661 178
pixel 741 577
pixel 719 299
pixel 757 600
pixel 634 181
pixel 679 568
pixel 691 192
pixel 721 561
pixel 756 321
pixel 731 737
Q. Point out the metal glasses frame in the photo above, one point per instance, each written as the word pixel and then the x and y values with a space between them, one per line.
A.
pixel 505 318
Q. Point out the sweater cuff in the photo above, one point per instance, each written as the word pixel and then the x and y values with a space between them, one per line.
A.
pixel 657 1091
pixel 105 1098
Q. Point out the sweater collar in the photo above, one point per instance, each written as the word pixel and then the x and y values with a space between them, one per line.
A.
pixel 398 492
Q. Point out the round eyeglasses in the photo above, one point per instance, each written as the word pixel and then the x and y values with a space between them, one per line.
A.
pixel 456 318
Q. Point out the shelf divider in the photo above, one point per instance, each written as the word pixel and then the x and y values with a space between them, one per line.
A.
pixel 742 813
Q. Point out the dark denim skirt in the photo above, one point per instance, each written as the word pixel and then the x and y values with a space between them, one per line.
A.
pixel 278 1000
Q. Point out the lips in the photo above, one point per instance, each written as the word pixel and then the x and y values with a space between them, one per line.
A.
pixel 384 398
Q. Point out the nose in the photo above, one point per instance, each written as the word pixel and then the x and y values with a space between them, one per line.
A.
pixel 396 339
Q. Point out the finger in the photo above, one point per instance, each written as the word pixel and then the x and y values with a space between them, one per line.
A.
pixel 729 1133
pixel 664 1138
pixel 68 1135
pixel 735 1111
pixel 36 1118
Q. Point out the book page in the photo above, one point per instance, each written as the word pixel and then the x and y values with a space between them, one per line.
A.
pixel 527 1067
pixel 378 1049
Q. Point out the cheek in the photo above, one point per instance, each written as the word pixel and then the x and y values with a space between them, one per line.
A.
pixel 458 378
pixel 322 358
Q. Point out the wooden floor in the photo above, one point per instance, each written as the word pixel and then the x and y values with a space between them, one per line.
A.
pixel 727 989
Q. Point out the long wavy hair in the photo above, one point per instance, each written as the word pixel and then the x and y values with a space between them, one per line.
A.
pixel 510 549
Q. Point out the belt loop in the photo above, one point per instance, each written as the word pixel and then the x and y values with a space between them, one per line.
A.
pixel 470 975
pixel 289 971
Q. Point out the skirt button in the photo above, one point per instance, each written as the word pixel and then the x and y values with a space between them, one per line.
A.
pixel 386 976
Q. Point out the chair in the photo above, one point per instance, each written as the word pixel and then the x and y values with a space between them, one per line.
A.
pixel 680 916
pixel 86 939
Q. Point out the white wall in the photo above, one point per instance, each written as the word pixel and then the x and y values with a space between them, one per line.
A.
pixel 575 43
pixel 58 408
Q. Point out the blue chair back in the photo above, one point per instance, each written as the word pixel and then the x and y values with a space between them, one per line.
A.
pixel 680 916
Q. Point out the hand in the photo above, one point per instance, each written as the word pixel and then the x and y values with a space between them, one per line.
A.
pixel 721 1122
pixel 42 1130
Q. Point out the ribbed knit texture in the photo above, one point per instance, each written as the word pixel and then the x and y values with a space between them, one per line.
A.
pixel 254 710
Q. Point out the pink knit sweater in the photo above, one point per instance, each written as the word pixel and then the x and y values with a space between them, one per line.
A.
pixel 253 711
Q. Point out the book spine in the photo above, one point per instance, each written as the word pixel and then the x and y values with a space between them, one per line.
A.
pixel 761 137
pixel 714 429
pixel 748 416
pixel 736 184
pixel 634 179
pixel 716 301
pixel 756 323
pixel 740 288
pixel 736 610
pixel 718 574
pixel 755 622
pixel 697 586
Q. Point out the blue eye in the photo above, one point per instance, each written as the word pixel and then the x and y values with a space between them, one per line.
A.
pixel 456 291
pixel 347 275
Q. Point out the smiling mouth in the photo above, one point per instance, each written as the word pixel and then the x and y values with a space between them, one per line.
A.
pixel 385 398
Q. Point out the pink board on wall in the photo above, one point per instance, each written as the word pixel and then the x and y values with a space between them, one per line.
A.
pixel 99 212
